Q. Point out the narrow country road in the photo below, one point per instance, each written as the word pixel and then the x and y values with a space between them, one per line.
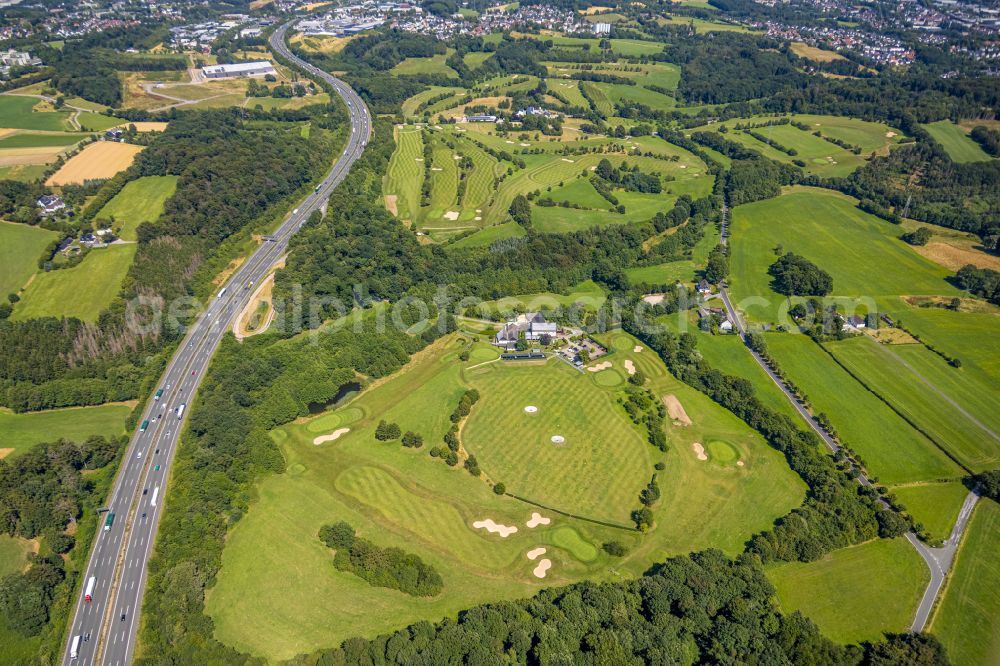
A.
pixel 105 619
pixel 939 559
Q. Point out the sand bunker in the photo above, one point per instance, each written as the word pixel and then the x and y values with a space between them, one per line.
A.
pixel 676 410
pixel 684 166
pixel 739 463
pixel 637 349
pixel 508 141
pixel 558 439
pixel 332 436
pixel 630 367
pixel 391 204
pixel 478 218
pixel 419 159
pixel 600 366
pixel 699 451
pixel 567 160
pixel 451 215
pixel 530 409
pixel 436 169
pixel 653 299
pixel 5 452
pixel 503 530
pixel 542 567
pixel 889 135
pixel 535 552
pixel 536 520
pixel 525 144
pixel 457 157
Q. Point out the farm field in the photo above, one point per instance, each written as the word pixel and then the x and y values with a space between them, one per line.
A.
pixel 829 230
pixel 21 246
pixel 937 504
pixel 959 416
pixel 17 112
pixel 31 140
pixel 967 620
pixel 276 570
pixel 102 159
pixel 141 200
pixel 856 593
pixel 23 431
pixel 956 142
pixel 892 450
pixel 82 291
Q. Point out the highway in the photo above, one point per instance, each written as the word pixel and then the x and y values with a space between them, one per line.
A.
pixel 108 624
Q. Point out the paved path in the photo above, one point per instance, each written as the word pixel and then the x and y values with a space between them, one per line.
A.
pixel 939 559
pixel 121 551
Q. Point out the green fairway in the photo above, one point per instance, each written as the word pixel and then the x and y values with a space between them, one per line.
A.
pixel 17 112
pixel 956 142
pixel 82 291
pixel 28 140
pixel 829 230
pixel 967 620
pixel 892 450
pixel 856 593
pixel 489 235
pixel 276 573
pixel 930 393
pixel 588 293
pixel 21 246
pixel 410 105
pixel 936 504
pixel 820 156
pixel 23 431
pixel 405 174
pixel 141 200
pixel 618 92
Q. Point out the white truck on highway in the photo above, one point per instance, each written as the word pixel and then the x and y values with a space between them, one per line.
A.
pixel 88 594
pixel 180 410
pixel 74 648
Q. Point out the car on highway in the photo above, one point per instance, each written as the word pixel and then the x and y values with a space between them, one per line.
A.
pixel 156 468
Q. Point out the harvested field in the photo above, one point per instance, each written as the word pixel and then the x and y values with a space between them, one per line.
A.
pixel 103 159
pixel 675 410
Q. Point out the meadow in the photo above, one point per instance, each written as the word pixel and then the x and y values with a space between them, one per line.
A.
pixel 82 291
pixel 418 66
pixel 17 112
pixel 957 414
pixel 21 247
pixel 829 230
pixel 937 505
pixel 967 619
pixel 141 200
pixel 277 593
pixel 892 450
pixel 857 593
pixel 23 431
pixel 956 142
pixel 30 140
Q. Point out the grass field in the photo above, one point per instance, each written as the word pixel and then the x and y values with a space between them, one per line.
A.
pixel 418 66
pixel 21 246
pixel 102 159
pixel 816 54
pixel 489 235
pixel 820 156
pixel 13 554
pixel 828 229
pixel 892 450
pixel 967 620
pixel 29 140
pixel 97 122
pixel 23 431
pixel 854 594
pixel 277 594
pixel 937 505
pixel 956 142
pixel 141 200
pixel 18 112
pixel 957 414
pixel 82 291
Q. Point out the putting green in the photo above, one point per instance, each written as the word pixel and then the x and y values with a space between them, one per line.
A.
pixel 482 353
pixel 721 452
pixel 335 420
pixel 608 378
pixel 570 540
